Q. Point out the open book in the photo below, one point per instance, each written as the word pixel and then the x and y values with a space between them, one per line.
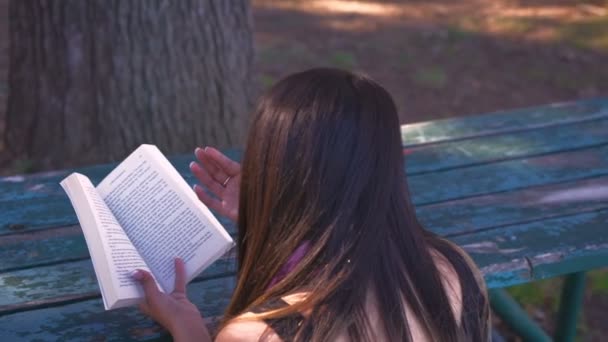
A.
pixel 142 216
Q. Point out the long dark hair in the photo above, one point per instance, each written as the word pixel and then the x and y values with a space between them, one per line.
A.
pixel 324 165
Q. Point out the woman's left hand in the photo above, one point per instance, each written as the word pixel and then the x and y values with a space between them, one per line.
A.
pixel 173 311
pixel 222 176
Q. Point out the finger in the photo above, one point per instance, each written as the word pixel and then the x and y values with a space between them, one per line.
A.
pixel 231 167
pixel 149 285
pixel 212 168
pixel 203 176
pixel 180 276
pixel 144 308
pixel 215 204
pixel 209 201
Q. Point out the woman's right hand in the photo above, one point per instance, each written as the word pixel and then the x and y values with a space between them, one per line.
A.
pixel 222 176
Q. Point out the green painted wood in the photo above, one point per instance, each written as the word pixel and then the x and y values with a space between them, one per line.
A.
pixel 87 321
pixel 47 246
pixel 503 122
pixel 523 253
pixel 509 211
pixel 507 256
pixel 473 214
pixel 447 218
pixel 508 175
pixel 449 129
pixel 426 188
pixel 47 183
pixel 34 287
pixel 38 202
pixel 486 149
pixel 440 156
pixel 42 247
pixel 43 283
pixel 565 240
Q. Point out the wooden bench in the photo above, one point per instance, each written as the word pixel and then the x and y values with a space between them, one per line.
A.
pixel 525 192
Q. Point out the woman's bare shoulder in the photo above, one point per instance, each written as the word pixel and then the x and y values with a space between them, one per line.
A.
pixel 246 328
pixel 249 328
pixel 451 282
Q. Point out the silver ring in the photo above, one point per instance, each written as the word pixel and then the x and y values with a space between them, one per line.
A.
pixel 226 181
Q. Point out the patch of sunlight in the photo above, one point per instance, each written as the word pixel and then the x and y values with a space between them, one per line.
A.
pixel 582 194
pixel 512 25
pixel 360 25
pixel 544 24
pixel 421 132
pixel 589 34
pixel 562 13
pixel 360 7
pixel 369 8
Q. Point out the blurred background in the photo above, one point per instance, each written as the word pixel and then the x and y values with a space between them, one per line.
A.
pixel 438 58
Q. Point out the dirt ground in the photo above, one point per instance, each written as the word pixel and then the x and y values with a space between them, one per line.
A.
pixel 444 58
pixel 441 58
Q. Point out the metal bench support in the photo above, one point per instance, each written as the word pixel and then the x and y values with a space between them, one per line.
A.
pixel 571 301
pixel 518 320
pixel 516 317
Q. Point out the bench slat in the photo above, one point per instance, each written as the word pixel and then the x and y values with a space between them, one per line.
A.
pixel 515 207
pixel 484 150
pixel 537 250
pixel 426 188
pixel 46 184
pixel 38 285
pixel 503 122
pixel 42 247
pixel 38 201
pixel 447 218
pixel 509 175
pixel 480 216
pixel 419 133
pixel 507 256
pixel 47 246
pixel 87 320
pixel 466 217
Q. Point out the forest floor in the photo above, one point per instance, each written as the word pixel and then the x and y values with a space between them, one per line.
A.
pixel 441 59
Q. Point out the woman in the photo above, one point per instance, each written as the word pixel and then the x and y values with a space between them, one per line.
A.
pixel 329 247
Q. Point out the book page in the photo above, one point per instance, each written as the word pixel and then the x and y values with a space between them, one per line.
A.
pixel 106 240
pixel 160 217
pixel 123 256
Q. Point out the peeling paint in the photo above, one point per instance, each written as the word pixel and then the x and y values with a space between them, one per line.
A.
pixel 488 247
pixel 13 179
pixel 596 247
pixel 36 187
pixel 507 266
pixel 588 193
pixel 547 258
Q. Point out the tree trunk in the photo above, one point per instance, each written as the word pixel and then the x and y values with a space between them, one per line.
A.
pixel 91 80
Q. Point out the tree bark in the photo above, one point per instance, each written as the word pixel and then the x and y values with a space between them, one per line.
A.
pixel 91 80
